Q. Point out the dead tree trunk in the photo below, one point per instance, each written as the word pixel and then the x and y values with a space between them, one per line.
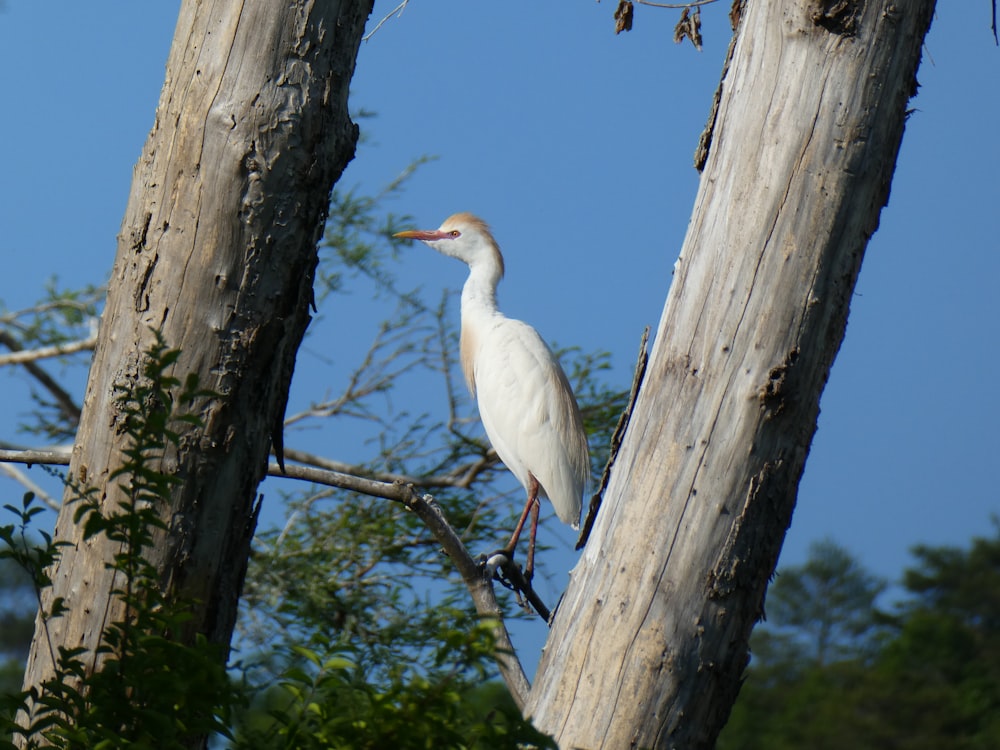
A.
pixel 650 639
pixel 217 250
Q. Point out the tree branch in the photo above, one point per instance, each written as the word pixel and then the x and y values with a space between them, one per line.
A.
pixel 430 513
pixel 616 440
pixel 398 10
pixel 32 457
pixel 63 399
pixel 461 476
pixel 21 478
pixel 375 374
pixel 20 356
pixel 476 580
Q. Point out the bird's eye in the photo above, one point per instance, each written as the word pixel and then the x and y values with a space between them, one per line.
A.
pixel 454 233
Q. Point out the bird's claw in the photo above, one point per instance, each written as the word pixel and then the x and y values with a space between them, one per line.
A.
pixel 493 565
pixel 500 566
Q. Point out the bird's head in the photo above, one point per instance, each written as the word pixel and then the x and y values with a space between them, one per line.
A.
pixel 462 236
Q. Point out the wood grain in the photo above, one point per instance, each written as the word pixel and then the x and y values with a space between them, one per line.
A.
pixel 650 640
pixel 217 250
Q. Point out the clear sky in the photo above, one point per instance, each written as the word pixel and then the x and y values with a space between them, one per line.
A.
pixel 576 145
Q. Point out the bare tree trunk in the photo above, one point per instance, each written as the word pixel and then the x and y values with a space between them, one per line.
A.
pixel 650 640
pixel 218 251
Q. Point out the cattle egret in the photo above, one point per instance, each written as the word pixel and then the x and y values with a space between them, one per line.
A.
pixel 525 401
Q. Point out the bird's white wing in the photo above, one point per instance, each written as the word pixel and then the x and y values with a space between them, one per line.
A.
pixel 530 414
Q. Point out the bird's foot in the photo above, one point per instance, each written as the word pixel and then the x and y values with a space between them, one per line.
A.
pixel 499 566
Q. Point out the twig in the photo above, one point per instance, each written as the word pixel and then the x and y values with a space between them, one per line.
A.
pixel 447 361
pixel 32 457
pixel 65 402
pixel 397 10
pixel 24 356
pixel 21 478
pixel 616 441
pixel 430 513
pixel 83 305
pixel 479 586
pixel 461 476
pixel 369 378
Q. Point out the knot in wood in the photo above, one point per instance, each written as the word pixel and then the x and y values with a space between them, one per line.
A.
pixel 774 391
pixel 836 16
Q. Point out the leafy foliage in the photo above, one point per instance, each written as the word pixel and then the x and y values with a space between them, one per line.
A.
pixel 323 699
pixel 60 317
pixel 359 238
pixel 18 593
pixel 149 688
pixel 354 629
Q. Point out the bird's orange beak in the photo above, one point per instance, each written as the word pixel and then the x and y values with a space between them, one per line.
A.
pixel 422 234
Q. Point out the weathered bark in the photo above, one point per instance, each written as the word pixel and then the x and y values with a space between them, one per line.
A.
pixel 650 640
pixel 218 251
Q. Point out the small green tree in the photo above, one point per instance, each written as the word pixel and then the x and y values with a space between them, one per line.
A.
pixel 151 690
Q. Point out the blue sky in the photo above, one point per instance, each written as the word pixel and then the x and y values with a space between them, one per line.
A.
pixel 576 145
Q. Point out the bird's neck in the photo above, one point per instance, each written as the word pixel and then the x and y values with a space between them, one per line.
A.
pixel 479 295
pixel 479 309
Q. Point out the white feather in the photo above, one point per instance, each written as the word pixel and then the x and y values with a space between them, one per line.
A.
pixel 525 401
pixel 530 415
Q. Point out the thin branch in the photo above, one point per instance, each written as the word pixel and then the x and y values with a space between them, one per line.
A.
pixel 616 441
pixel 430 513
pixel 84 305
pixel 21 478
pixel 478 584
pixel 397 10
pixel 294 515
pixel 65 402
pixel 32 457
pixel 461 476
pixel 369 378
pixel 447 361
pixel 24 356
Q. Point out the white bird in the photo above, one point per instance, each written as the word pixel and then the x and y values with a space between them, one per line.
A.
pixel 525 401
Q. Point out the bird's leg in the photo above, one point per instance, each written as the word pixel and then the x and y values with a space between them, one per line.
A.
pixel 531 505
pixel 529 568
pixel 500 564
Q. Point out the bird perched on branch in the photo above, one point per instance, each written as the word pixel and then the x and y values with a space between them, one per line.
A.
pixel 525 401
